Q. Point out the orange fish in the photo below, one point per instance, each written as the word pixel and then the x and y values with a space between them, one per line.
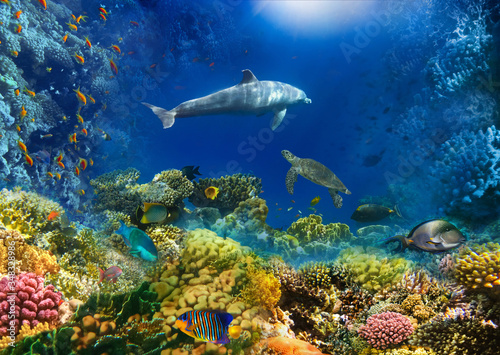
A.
pixel 80 97
pixel 84 132
pixel 103 10
pixel 131 52
pixel 91 162
pixel 72 138
pixel 134 23
pixel 61 164
pixel 80 119
pixel 14 53
pixel 87 42
pixel 58 176
pixel 29 161
pixel 91 99
pixel 5 2
pixel 18 14
pixel 65 38
pixel 59 158
pixel 77 171
pixel 71 26
pixel 212 64
pixel 297 215
pixel 50 174
pixel 152 66
pixel 81 17
pixel 116 48
pixel 81 192
pixel 22 146
pixel 19 28
pixel 44 3
pixel 18 128
pixel 73 17
pixel 83 163
pixel 79 58
pixel 23 112
pixel 16 92
pixel 103 17
pixel 29 92
pixel 52 215
pixel 113 66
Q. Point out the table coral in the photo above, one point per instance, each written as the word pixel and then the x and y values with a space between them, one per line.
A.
pixel 479 267
pixel 307 229
pixel 386 329
pixel 29 258
pixel 34 303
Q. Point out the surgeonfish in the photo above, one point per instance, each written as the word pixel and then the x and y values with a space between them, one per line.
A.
pixel 153 213
pixel 373 213
pixel 111 274
pixel 434 236
pixel 211 192
pixel 209 326
pixel 141 246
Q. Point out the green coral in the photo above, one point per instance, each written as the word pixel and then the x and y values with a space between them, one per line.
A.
pixel 310 228
pixel 372 269
pixel 233 189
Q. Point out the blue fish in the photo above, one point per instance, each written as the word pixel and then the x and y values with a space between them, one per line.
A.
pixel 141 246
pixel 210 326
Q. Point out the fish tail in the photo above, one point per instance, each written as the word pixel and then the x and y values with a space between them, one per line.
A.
pixel 101 275
pixel 196 171
pixel 398 212
pixel 397 238
pixel 166 117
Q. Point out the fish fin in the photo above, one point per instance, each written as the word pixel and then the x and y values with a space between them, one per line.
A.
pixel 291 179
pixel 248 77
pixel 222 340
pixel 196 171
pixel 225 318
pixel 234 331
pixel 398 211
pixel 101 275
pixel 134 253
pixel 403 244
pixel 166 117
pixel 144 219
pixel 337 199
pixel 278 118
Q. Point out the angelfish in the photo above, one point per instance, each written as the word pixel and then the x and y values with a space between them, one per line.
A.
pixel 210 326
pixel 434 236
pixel 152 213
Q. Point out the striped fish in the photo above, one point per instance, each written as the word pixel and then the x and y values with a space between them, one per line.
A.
pixel 209 326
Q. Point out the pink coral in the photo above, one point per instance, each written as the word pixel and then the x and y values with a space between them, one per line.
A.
pixel 24 300
pixel 386 329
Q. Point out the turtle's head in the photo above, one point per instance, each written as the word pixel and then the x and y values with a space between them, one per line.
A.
pixel 288 156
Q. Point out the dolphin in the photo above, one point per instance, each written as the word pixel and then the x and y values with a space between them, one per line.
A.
pixel 250 96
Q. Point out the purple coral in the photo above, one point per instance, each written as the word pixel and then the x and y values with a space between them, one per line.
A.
pixel 24 300
pixel 386 329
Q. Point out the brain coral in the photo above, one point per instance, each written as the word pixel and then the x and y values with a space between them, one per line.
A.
pixel 386 329
pixel 307 229
pixel 479 267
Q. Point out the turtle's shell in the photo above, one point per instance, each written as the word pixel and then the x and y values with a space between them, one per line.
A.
pixel 320 174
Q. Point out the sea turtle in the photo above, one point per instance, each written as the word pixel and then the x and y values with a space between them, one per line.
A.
pixel 315 172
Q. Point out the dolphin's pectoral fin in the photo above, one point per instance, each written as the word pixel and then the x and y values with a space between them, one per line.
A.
pixel 278 117
pixel 291 178
pixel 166 117
pixel 248 77
pixel 337 199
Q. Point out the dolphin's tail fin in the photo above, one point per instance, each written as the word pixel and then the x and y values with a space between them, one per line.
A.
pixel 166 117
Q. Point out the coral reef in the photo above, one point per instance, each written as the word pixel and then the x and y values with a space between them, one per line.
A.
pixel 310 228
pixel 479 267
pixel 386 329
pixel 31 302
pixel 262 288
pixel 287 346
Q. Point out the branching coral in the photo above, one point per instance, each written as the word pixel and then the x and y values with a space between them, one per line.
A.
pixel 262 288
pixel 325 275
pixel 386 329
pixel 169 187
pixel 479 267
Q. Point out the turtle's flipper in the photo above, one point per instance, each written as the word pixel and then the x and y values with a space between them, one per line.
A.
pixel 337 200
pixel 291 178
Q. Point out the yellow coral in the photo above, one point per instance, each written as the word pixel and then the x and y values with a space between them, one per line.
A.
pixel 310 228
pixel 262 289
pixel 24 332
pixel 404 350
pixel 479 267
pixel 28 258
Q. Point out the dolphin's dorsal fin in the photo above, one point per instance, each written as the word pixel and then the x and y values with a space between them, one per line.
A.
pixel 248 77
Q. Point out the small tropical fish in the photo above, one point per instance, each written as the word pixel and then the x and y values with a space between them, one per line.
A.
pixel 152 213
pixel 18 14
pixel 77 171
pixel 91 98
pixel 73 17
pixel 65 38
pixel 29 92
pixel 373 213
pixel 103 10
pixel 279 209
pixel 46 136
pixel 44 3
pixel 91 162
pixel 212 64
pixel 134 23
pixel 111 274
pixel 79 118
pixel 79 58
pixel 58 176
pixel 152 66
pixel 83 163
pixel 211 192
pixel 29 161
pixel 297 215
pixel 290 208
pixel 292 201
pixel 16 92
pixel 48 69
pixel 14 53
pixel 80 18
pixel 141 246
pixel 84 131
pixel 190 172
pixel 434 236
pixel 315 201
pixel 209 326
pixel 116 48
pixel 59 157
pixel 72 138
pixel 113 66
pixel 18 128
pixel 50 174
pixel 61 164
pixel 103 17
pixel 52 215
pixel 81 192
pixel 81 97
pixel 71 26
pixel 87 42
pixel 19 28
pixel 22 146
pixel 131 52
